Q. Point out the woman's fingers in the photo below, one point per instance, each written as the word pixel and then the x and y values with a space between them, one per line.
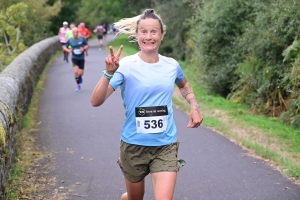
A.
pixel 108 60
pixel 119 51
pixel 111 51
pixel 112 60
pixel 195 122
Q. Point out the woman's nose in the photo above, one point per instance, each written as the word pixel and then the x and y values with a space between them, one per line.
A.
pixel 148 35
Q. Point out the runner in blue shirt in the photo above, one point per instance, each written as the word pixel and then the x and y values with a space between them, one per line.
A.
pixel 78 46
pixel 149 137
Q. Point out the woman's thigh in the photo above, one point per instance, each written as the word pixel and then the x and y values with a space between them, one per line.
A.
pixel 135 190
pixel 164 185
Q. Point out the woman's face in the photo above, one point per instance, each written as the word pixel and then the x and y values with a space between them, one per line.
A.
pixel 149 35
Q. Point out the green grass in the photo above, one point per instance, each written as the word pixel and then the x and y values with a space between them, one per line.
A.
pixel 241 112
pixel 129 47
pixel 288 138
pixel 289 168
pixel 17 185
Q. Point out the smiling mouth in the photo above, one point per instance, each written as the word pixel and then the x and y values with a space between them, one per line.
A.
pixel 148 42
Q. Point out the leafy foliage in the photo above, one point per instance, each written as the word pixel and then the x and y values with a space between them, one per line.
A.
pixel 39 17
pixel 292 55
pixel 68 12
pixel 10 23
pixel 94 11
pixel 216 27
pixel 15 29
pixel 267 40
pixel 174 14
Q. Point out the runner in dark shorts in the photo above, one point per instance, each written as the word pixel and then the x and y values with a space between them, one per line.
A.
pixel 100 34
pixel 78 46
pixel 78 62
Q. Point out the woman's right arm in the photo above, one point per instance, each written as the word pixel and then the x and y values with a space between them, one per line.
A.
pixel 103 89
pixel 101 92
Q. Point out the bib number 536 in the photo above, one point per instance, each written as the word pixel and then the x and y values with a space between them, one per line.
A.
pixel 153 119
pixel 153 124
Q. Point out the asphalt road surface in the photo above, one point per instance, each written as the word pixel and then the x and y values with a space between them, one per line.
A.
pixel 84 144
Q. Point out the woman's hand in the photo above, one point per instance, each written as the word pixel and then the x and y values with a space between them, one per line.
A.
pixel 112 61
pixel 195 117
pixel 187 92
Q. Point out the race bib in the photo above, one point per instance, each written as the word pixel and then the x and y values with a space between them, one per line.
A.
pixel 152 119
pixel 77 51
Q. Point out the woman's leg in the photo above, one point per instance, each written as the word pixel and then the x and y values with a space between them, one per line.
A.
pixel 164 185
pixel 135 191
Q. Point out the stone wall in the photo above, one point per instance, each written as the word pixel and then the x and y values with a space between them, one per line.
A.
pixel 17 83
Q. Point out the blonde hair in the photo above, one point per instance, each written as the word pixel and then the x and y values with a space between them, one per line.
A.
pixel 129 26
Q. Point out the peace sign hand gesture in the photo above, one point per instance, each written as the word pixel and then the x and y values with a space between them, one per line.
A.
pixel 112 61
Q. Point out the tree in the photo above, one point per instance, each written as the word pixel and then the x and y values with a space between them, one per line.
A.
pixel 175 14
pixel 216 26
pixel 15 29
pixel 10 24
pixel 39 16
pixel 69 12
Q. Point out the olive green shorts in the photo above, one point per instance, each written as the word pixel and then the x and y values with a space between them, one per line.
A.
pixel 136 162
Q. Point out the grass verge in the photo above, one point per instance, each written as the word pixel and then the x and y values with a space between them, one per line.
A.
pixel 273 141
pixel 22 181
pixel 264 137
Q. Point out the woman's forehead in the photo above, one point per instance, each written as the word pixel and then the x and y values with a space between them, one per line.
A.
pixel 149 23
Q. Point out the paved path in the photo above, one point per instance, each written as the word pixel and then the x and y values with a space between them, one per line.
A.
pixel 84 142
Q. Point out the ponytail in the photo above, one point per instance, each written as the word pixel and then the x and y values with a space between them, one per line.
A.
pixel 129 26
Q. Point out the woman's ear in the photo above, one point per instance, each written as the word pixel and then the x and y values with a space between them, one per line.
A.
pixel 162 37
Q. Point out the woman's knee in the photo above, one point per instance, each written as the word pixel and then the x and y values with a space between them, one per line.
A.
pixel 124 196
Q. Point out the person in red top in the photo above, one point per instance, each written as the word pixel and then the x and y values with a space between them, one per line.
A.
pixel 84 32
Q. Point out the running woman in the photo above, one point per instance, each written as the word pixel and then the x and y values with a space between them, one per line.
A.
pixel 149 141
pixel 62 38
pixel 78 46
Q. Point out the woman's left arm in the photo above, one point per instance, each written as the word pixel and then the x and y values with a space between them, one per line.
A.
pixel 195 113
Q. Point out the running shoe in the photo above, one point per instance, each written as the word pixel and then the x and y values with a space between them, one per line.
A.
pixel 78 88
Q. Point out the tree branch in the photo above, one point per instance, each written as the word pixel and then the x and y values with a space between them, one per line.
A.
pixel 17 40
pixel 1 66
pixel 7 44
